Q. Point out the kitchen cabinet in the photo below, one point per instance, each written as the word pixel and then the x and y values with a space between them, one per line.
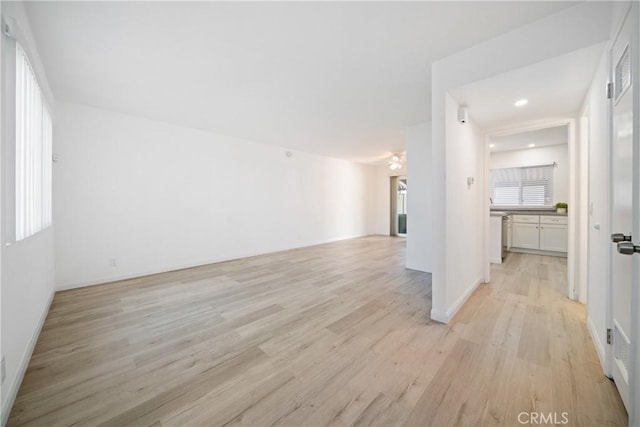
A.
pixel 554 235
pixel 540 232
pixel 525 236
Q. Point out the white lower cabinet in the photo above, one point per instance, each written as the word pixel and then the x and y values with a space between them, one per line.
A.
pixel 553 237
pixel 525 236
pixel 544 232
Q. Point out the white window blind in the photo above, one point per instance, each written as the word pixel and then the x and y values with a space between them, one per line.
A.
pixel 526 186
pixel 33 152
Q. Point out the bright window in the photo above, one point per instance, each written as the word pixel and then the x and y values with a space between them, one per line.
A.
pixel 525 186
pixel 33 152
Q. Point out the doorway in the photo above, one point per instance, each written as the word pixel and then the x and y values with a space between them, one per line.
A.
pixel 529 170
pixel 398 206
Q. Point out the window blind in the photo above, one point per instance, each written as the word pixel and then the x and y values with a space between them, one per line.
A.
pixel 33 152
pixel 525 186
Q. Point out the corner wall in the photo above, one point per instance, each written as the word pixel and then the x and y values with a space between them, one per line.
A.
pixel 464 248
pixel 27 279
pixel 135 196
pixel 420 199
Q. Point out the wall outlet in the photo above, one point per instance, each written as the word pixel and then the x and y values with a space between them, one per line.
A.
pixel 3 370
pixel 113 262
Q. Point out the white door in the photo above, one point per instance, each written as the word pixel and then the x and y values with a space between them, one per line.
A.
pixel 622 213
pixel 553 237
pixel 525 236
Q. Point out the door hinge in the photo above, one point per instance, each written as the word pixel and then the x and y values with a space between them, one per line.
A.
pixel 609 336
pixel 609 90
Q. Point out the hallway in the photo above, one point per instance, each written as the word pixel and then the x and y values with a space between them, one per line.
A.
pixel 527 349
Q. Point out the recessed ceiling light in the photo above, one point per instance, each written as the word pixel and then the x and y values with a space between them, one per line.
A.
pixel 521 102
pixel 492 145
pixel 532 145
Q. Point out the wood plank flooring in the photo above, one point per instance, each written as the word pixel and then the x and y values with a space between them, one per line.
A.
pixel 336 334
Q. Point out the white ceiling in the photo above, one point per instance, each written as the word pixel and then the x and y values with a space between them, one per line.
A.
pixel 541 138
pixel 340 79
pixel 554 88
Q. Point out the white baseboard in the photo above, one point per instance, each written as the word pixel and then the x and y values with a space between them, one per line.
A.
pixel 418 268
pixel 24 363
pixel 597 343
pixel 445 317
pixel 195 263
pixel 538 252
pixel 439 316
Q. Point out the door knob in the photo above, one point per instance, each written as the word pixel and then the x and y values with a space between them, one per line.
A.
pixel 628 248
pixel 619 237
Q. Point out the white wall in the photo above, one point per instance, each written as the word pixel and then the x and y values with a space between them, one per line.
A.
pixel 420 199
pixel 582 169
pixel 156 197
pixel 27 266
pixel 539 156
pixel 580 26
pixel 464 243
pixel 599 182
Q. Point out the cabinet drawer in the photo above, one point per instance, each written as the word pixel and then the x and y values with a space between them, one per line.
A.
pixel 527 219
pixel 559 220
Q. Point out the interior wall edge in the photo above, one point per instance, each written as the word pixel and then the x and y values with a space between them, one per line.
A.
pixel 597 343
pixel 24 363
pixel 457 305
pixel 446 316
pixel 418 268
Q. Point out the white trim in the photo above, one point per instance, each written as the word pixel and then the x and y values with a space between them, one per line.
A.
pixel 597 343
pixel 418 268
pixel 24 364
pixel 486 226
pixel 439 316
pixel 528 126
pixel 554 164
pixel 634 14
pixel 538 252
pixel 198 263
pixel 442 317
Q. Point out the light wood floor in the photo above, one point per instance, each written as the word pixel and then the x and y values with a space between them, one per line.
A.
pixel 337 334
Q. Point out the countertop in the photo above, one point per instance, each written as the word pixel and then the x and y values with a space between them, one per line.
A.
pixel 501 212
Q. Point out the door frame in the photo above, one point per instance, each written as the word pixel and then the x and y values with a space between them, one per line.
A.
pixel 393 205
pixel 572 214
